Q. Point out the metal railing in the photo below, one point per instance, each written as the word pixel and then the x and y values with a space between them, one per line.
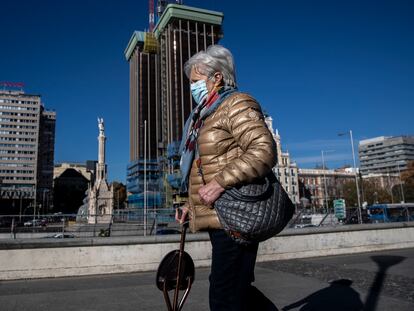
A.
pixel 133 222
pixel 121 223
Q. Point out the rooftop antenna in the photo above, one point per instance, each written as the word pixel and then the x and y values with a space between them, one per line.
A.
pixel 161 4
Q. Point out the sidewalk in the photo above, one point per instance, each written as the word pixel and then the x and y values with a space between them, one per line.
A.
pixel 383 285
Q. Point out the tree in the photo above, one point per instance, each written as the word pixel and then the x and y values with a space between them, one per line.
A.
pixel 409 192
pixel 119 194
pixel 350 194
pixel 370 192
pixel 304 193
pixel 407 178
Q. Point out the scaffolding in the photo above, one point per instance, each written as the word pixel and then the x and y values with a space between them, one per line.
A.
pixel 150 43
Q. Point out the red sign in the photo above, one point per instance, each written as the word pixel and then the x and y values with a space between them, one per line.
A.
pixel 12 84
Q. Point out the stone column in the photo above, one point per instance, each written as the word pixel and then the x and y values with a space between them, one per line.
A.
pixel 100 168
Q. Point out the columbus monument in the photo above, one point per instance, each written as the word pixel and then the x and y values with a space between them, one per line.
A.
pixel 98 204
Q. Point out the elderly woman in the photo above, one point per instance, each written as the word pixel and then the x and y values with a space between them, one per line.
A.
pixel 225 143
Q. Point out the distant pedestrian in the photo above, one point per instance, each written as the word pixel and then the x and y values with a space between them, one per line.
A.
pixel 225 134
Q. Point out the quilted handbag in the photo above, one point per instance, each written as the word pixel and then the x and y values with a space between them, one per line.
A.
pixel 255 212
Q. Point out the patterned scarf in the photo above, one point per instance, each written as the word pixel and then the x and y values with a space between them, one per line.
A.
pixel 188 147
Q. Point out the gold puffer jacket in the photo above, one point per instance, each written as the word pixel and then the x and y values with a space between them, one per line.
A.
pixel 235 147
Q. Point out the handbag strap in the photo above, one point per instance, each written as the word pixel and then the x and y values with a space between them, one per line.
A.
pixel 240 196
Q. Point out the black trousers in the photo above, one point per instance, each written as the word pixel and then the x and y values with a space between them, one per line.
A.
pixel 232 272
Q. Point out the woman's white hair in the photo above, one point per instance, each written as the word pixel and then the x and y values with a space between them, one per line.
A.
pixel 215 59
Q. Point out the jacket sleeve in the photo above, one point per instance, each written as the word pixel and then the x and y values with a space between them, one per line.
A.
pixel 245 122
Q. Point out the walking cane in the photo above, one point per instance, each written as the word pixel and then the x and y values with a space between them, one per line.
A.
pixel 176 272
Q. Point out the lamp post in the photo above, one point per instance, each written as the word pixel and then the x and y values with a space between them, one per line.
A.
pixel 390 185
pixel 20 209
pixel 145 178
pixel 324 179
pixel 34 214
pixel 118 198
pixel 43 201
pixel 401 186
pixel 356 176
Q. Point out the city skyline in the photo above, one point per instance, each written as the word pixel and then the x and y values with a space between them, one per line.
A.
pixel 302 57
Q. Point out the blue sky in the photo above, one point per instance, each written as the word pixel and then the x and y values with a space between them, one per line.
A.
pixel 317 67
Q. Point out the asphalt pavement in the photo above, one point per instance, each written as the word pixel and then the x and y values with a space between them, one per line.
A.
pixel 380 281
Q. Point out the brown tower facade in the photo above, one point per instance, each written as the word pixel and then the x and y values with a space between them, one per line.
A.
pixel 182 31
pixel 160 97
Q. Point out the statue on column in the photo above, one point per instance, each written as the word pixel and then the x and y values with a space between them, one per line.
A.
pixel 100 197
pixel 101 126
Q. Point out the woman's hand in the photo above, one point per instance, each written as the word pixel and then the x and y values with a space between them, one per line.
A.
pixel 210 193
pixel 181 214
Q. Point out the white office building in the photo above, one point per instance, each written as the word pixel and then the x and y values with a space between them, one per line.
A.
pixel 385 155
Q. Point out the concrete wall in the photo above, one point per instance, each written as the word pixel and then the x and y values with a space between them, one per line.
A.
pixel 21 259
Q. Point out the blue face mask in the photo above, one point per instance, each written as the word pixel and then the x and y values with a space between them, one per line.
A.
pixel 199 91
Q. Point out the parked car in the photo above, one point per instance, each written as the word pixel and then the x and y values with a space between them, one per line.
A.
pixel 34 223
pixel 300 226
pixel 61 236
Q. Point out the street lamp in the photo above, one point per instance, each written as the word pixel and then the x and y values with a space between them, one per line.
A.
pixel 401 186
pixel 324 178
pixel 356 175
pixel 34 213
pixel 44 190
pixel 390 185
pixel 145 178
pixel 20 209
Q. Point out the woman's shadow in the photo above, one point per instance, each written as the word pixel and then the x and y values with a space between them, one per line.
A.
pixel 340 296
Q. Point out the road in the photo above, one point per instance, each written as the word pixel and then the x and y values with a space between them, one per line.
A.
pixel 380 281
